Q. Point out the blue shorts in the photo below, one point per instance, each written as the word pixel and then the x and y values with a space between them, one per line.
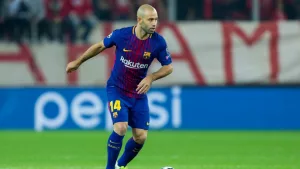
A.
pixel 122 108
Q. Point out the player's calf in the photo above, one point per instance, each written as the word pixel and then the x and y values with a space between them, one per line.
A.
pixel 114 143
pixel 133 146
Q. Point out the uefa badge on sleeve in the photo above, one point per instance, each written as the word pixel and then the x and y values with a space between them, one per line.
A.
pixel 168 54
pixel 167 50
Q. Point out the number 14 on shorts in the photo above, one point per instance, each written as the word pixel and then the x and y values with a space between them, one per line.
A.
pixel 115 105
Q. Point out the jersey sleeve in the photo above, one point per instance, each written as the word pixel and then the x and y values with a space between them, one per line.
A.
pixel 164 56
pixel 111 39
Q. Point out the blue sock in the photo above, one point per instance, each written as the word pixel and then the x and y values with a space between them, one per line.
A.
pixel 131 150
pixel 114 145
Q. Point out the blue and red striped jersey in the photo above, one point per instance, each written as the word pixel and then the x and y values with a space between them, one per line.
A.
pixel 133 58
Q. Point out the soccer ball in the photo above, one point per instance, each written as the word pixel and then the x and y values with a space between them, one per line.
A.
pixel 167 168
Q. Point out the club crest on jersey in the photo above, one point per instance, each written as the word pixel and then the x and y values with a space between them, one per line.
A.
pixel 147 55
pixel 115 114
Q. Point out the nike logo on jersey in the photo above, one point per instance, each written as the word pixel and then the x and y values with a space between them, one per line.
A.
pixel 125 50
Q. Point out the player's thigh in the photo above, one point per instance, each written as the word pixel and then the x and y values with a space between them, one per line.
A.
pixel 117 105
pixel 139 115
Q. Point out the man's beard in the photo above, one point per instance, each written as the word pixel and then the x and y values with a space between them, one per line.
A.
pixel 148 31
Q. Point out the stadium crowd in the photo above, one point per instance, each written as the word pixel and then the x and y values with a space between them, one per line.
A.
pixel 73 20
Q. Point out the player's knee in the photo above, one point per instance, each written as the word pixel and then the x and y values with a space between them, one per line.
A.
pixel 140 137
pixel 121 128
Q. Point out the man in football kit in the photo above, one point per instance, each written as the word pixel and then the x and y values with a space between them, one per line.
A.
pixel 136 48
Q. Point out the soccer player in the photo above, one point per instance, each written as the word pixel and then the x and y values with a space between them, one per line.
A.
pixel 136 47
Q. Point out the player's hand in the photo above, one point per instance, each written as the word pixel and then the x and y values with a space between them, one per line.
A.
pixel 144 85
pixel 72 66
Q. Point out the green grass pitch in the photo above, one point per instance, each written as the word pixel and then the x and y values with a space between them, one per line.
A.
pixel 179 149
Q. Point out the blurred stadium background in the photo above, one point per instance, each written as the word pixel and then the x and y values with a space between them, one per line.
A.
pixel 232 101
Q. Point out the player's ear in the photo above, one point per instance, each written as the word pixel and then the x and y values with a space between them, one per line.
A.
pixel 139 19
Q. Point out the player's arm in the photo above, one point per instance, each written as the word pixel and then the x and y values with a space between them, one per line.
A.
pixel 162 72
pixel 91 52
pixel 94 50
pixel 145 84
pixel 165 59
